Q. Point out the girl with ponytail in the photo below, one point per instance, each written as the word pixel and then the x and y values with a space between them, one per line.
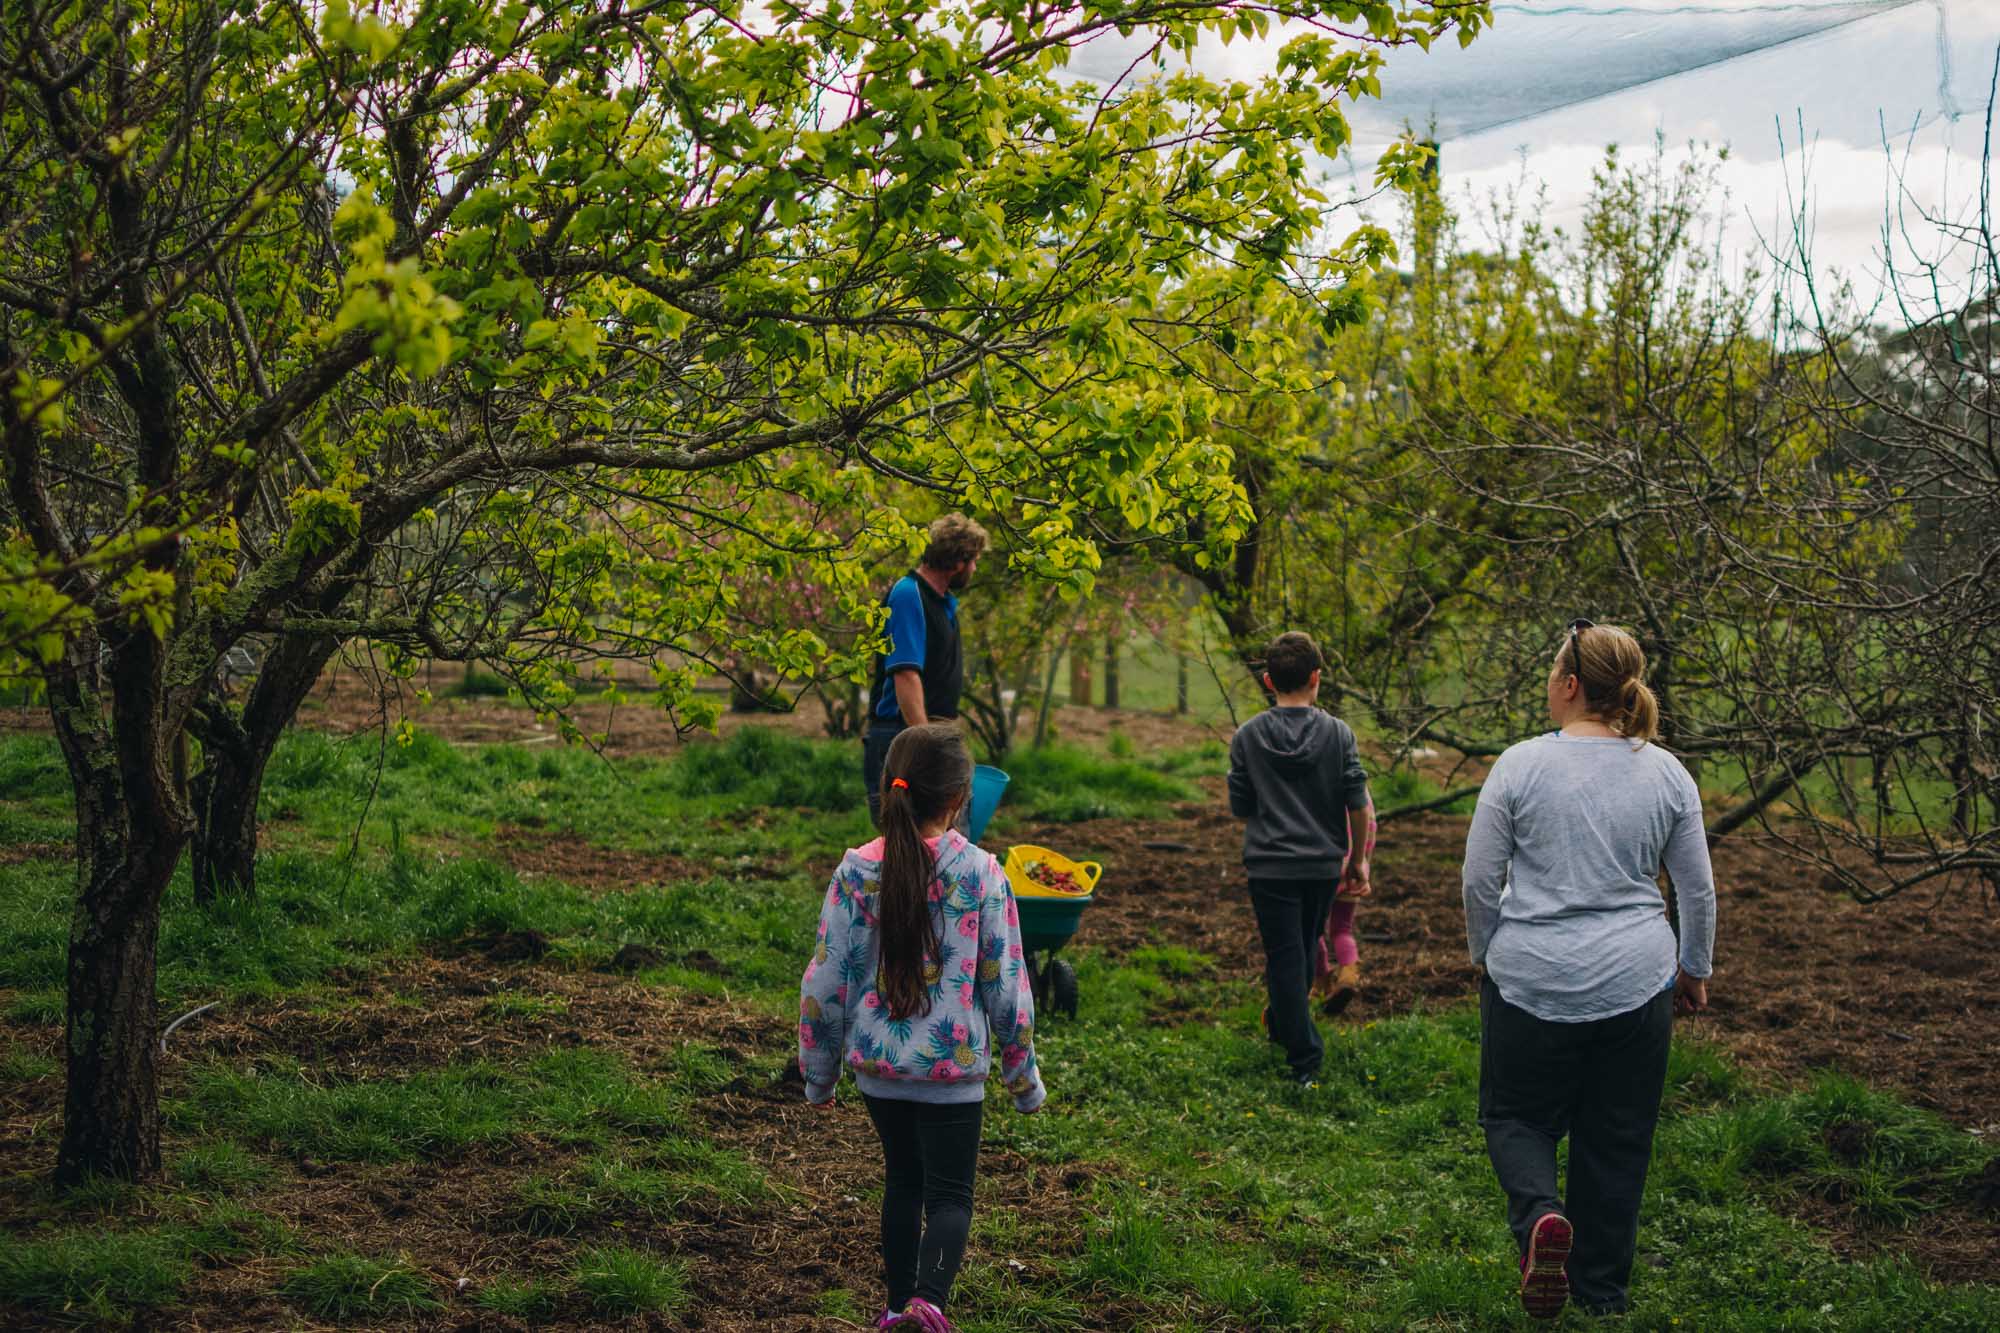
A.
pixel 1581 972
pixel 918 988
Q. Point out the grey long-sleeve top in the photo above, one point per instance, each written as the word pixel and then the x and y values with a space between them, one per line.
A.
pixel 1562 906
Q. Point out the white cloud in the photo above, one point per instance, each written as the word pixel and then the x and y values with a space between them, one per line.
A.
pixel 1916 74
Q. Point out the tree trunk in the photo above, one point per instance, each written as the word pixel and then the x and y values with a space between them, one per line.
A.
pixel 111 1115
pixel 223 852
pixel 1111 670
pixel 235 753
pixel 1079 674
pixel 132 823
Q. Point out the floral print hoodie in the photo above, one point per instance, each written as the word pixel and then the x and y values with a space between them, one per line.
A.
pixel 979 996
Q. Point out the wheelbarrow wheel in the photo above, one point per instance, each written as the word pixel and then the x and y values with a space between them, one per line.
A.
pixel 1062 988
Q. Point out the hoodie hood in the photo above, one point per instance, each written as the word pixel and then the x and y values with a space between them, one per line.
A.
pixel 1296 738
pixel 865 861
pixel 1294 776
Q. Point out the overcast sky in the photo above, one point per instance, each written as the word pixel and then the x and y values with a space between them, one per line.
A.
pixel 1921 68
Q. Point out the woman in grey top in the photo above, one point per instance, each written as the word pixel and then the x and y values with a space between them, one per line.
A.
pixel 1582 972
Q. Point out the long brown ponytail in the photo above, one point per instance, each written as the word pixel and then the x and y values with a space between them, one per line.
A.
pixel 928 770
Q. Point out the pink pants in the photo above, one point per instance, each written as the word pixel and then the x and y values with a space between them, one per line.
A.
pixel 1336 946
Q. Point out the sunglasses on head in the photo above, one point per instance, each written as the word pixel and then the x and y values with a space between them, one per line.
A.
pixel 1576 628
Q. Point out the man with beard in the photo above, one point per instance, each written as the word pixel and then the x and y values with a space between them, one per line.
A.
pixel 921 676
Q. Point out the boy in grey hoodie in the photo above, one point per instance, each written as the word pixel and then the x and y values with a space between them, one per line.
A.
pixel 1295 777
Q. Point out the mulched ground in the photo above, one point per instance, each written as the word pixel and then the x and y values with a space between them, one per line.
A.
pixel 533 854
pixel 458 1220
pixel 1901 994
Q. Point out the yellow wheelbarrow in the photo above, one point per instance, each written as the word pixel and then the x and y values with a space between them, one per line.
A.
pixel 1050 891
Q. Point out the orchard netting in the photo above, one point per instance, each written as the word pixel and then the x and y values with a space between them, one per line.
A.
pixel 1731 71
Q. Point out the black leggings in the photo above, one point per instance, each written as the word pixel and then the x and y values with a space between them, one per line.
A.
pixel 1599 1083
pixel 930 1151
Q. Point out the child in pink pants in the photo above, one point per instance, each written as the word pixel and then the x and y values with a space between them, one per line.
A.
pixel 1336 960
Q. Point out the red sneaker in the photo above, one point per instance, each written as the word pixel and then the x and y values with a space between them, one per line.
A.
pixel 1544 1280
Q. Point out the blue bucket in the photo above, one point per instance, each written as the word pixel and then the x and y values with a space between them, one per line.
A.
pixel 988 784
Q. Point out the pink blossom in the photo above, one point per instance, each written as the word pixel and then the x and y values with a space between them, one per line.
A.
pixel 958 1031
pixel 1014 952
pixel 806 1038
pixel 944 1070
pixel 967 965
pixel 872 1000
pixel 840 996
pixel 1013 913
pixel 968 926
pixel 965 994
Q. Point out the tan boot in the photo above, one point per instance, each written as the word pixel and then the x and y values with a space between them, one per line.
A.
pixel 1346 985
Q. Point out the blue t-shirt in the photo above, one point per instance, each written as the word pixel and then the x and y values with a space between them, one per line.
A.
pixel 923 633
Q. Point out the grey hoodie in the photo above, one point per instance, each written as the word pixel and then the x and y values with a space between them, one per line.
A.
pixel 1294 773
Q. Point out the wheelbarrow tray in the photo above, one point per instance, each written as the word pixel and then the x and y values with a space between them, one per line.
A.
pixel 1048 921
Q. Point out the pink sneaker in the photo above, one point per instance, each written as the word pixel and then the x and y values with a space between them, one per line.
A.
pixel 1544 1279
pixel 893 1319
pixel 926 1316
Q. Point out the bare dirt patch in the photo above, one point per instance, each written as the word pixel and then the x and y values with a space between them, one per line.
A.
pixel 575 860
pixel 13 854
pixel 437 1010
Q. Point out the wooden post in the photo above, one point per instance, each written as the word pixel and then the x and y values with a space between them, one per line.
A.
pixel 1111 671
pixel 1180 685
pixel 1079 673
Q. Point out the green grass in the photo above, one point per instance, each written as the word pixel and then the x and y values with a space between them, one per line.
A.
pixel 690 804
pixel 1372 1198
pixel 477 684
pixel 91 1276
pixel 1063 783
pixel 514 1005
pixel 518 1298
pixel 643 1181
pixel 317 913
pixel 622 1282
pixel 35 800
pixel 840 1303
pixel 19 1065
pixel 1838 1141
pixel 355 1288
pixel 1214 1194
pixel 569 1098
pixel 222 1167
pixel 223 1230
pixel 1405 786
